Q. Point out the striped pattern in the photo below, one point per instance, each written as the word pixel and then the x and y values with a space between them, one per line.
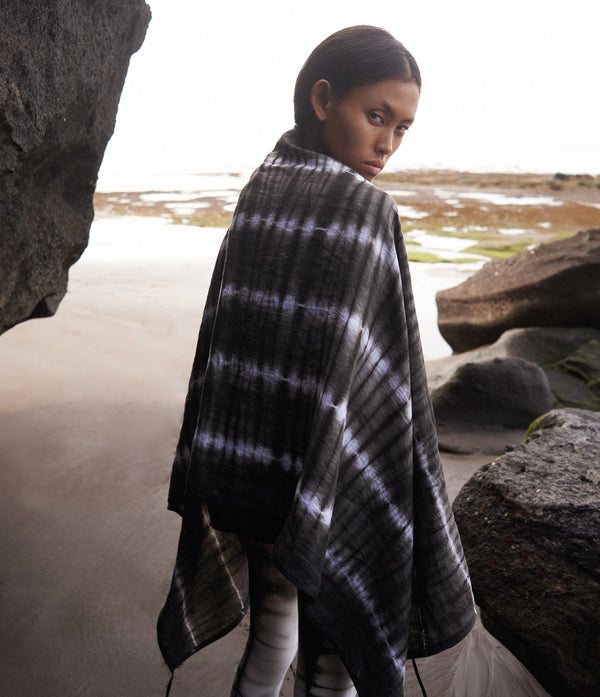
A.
pixel 273 636
pixel 308 422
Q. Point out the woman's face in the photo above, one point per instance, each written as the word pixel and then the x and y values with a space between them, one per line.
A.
pixel 366 127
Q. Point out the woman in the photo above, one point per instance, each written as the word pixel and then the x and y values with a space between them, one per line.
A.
pixel 307 470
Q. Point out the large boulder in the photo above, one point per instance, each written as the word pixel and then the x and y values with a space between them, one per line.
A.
pixel 509 383
pixel 499 393
pixel 555 284
pixel 62 68
pixel 530 526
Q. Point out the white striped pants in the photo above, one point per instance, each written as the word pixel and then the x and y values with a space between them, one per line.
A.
pixel 273 640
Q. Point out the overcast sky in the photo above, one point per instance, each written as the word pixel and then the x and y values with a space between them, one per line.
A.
pixel 510 85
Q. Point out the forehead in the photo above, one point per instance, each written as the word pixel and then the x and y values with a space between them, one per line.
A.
pixel 399 97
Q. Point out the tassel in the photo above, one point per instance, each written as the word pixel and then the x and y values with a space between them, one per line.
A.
pixel 414 663
pixel 169 684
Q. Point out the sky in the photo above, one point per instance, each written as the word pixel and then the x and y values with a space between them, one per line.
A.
pixel 507 86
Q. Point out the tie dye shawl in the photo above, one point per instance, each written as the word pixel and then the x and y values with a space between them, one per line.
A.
pixel 308 424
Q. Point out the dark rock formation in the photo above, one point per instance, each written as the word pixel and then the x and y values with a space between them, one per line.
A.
pixel 501 392
pixel 560 180
pixel 62 68
pixel 519 377
pixel 554 285
pixel 530 525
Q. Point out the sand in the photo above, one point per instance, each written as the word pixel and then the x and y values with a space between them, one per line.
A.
pixel 91 408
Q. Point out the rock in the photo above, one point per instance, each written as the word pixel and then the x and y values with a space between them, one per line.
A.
pixel 530 525
pixel 560 180
pixel 501 393
pixel 491 387
pixel 556 285
pixel 62 68
pixel 575 379
pixel 544 346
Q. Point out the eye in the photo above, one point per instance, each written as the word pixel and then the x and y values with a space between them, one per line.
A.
pixel 374 116
pixel 401 130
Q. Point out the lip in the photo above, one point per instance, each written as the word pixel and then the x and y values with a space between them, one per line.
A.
pixel 373 167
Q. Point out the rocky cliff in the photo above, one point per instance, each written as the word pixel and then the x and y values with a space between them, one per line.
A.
pixel 62 68
pixel 530 525
pixel 554 285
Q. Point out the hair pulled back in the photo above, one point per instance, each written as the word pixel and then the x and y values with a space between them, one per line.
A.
pixel 349 58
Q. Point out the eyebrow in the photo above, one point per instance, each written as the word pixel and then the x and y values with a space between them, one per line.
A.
pixel 392 113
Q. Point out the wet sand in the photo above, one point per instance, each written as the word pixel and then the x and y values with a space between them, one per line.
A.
pixel 91 408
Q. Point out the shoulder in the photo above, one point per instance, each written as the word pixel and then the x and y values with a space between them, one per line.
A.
pixel 297 180
pixel 368 197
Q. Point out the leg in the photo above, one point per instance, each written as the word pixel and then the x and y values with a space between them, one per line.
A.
pixel 273 639
pixel 320 671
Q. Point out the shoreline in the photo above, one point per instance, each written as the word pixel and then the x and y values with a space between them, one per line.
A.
pixel 470 217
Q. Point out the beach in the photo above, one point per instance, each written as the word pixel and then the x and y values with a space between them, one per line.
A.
pixel 91 409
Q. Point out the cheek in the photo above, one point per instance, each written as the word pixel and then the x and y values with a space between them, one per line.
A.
pixel 343 141
pixel 351 141
pixel 346 139
pixel 353 132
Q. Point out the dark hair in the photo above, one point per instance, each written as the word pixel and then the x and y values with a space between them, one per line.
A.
pixel 352 57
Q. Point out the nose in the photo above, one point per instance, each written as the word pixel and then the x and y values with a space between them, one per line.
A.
pixel 385 142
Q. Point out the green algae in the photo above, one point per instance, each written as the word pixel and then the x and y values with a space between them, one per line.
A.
pixel 499 252
pixel 417 255
pixel 575 379
pixel 427 257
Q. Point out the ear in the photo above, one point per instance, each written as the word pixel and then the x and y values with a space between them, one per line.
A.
pixel 321 96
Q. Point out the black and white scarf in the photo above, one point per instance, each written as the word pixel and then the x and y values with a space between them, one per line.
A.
pixel 308 424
